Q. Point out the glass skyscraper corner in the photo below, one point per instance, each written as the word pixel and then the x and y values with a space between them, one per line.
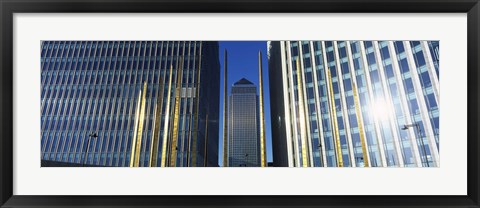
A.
pixel 130 103
pixel 244 126
pixel 354 103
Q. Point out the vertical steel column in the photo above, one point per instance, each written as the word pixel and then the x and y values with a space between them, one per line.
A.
pixel 153 140
pixel 225 109
pixel 360 125
pixel 336 135
pixel 134 141
pixel 167 115
pixel 321 142
pixel 138 133
pixel 303 128
pixel 176 115
pixel 306 110
pixel 343 104
pixel 291 111
pixel 156 129
pixel 263 146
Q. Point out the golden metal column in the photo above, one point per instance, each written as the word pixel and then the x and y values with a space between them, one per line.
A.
pixel 263 145
pixel 157 122
pixel 140 117
pixel 338 146
pixel 167 117
pixel 154 126
pixel 302 118
pixel 225 117
pixel 176 115
pixel 134 140
pixel 360 126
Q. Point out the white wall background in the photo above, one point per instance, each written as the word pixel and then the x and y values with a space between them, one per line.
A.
pixel 449 178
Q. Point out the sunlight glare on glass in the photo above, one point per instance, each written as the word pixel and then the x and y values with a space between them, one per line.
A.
pixel 381 110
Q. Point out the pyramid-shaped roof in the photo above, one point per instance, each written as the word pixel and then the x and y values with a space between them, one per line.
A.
pixel 243 81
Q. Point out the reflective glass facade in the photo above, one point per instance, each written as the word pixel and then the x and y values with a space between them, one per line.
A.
pixel 244 126
pixel 130 103
pixel 355 103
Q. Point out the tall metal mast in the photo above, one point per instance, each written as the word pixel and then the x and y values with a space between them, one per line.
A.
pixel 263 145
pixel 225 108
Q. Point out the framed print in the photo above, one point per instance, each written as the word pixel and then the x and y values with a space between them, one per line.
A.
pixel 230 103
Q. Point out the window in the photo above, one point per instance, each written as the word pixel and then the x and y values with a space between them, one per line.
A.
pixel 399 47
pixel 420 59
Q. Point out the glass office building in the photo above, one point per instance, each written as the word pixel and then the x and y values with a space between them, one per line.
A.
pixel 244 126
pixel 354 103
pixel 130 103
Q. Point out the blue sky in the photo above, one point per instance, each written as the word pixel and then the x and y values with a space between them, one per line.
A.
pixel 243 63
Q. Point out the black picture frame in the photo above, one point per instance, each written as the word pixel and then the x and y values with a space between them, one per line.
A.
pixel 9 7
